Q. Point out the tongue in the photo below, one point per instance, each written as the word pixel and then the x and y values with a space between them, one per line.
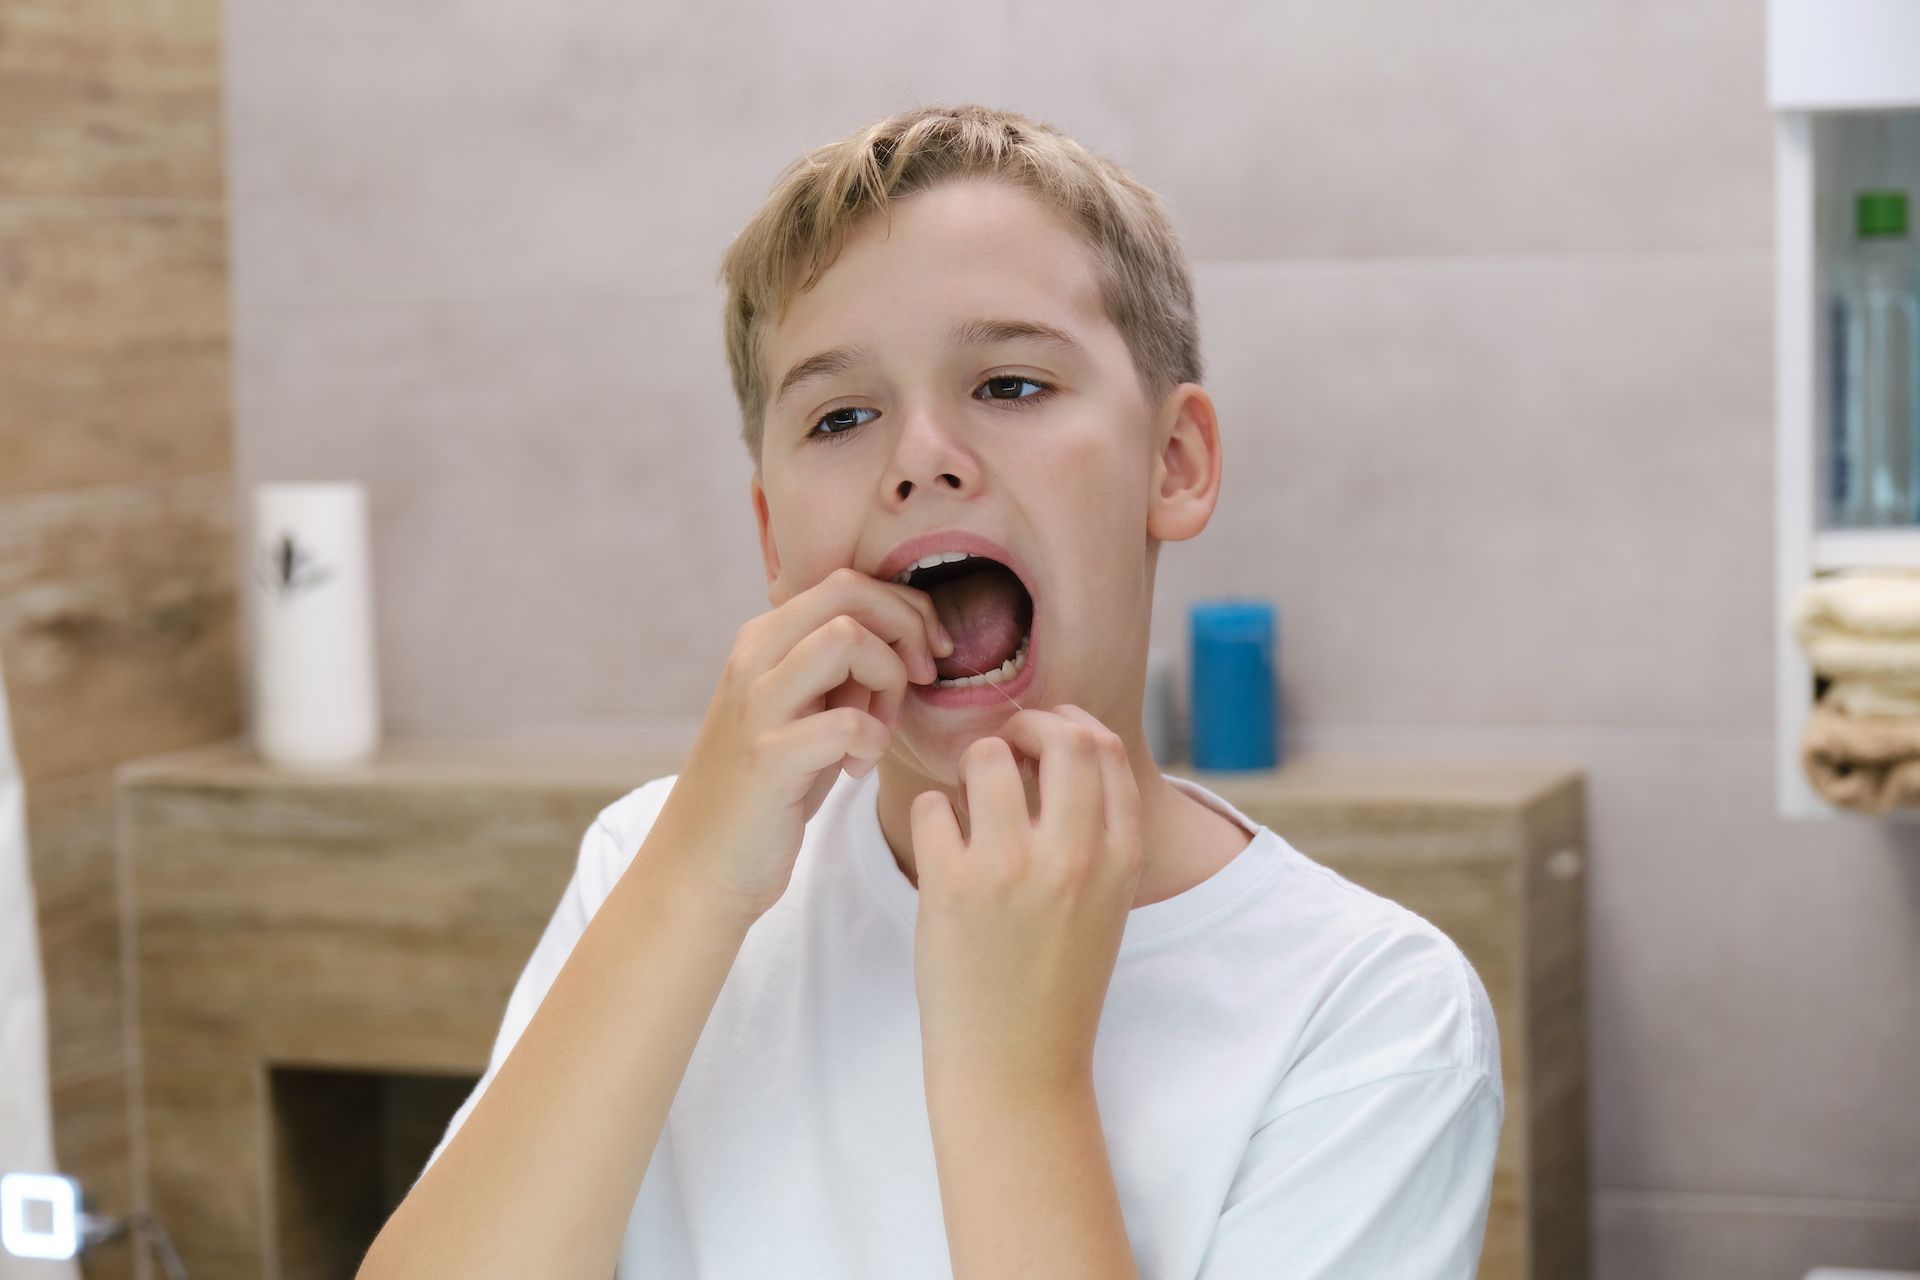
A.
pixel 982 612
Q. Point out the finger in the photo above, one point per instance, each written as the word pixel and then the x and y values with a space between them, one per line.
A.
pixel 852 693
pixel 938 640
pixel 882 704
pixel 841 650
pixel 936 836
pixel 995 797
pixel 1071 783
pixel 828 738
pixel 886 704
pixel 900 615
pixel 1122 811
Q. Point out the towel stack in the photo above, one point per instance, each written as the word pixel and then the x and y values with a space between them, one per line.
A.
pixel 1860 628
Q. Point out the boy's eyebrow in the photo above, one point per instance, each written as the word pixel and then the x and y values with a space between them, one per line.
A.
pixel 967 333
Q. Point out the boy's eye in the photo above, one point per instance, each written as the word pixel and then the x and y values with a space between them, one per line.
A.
pixel 833 424
pixel 1017 382
pixel 833 418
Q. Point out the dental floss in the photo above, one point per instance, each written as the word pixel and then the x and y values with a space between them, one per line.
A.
pixel 997 689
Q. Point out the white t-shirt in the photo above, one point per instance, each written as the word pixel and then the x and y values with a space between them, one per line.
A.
pixel 1296 1077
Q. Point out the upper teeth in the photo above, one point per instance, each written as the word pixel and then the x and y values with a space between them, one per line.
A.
pixel 927 562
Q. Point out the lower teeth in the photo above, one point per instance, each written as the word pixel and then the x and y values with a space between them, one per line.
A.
pixel 1005 671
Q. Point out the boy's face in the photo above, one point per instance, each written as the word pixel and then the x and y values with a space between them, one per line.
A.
pixel 1045 448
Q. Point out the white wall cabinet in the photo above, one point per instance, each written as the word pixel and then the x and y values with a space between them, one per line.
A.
pixel 1843 81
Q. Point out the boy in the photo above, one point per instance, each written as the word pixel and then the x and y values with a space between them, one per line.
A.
pixel 824 1003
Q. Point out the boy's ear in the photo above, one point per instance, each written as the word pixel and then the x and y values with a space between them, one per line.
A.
pixel 769 554
pixel 1185 484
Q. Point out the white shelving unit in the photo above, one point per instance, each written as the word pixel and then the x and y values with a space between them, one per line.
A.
pixel 1843 80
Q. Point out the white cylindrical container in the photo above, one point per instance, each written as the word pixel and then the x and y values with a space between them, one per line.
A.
pixel 1157 706
pixel 316 698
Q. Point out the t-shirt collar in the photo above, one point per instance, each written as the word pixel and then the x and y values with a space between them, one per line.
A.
pixel 1249 868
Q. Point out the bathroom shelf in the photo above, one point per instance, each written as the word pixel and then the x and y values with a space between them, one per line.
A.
pixel 1866 549
pixel 1843 82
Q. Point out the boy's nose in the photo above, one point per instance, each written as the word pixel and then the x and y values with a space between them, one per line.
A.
pixel 952 481
pixel 928 453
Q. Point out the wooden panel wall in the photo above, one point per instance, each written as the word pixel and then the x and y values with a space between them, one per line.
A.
pixel 117 611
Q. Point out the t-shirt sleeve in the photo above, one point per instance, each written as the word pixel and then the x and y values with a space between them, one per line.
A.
pixel 1391 1178
pixel 1376 1156
pixel 606 848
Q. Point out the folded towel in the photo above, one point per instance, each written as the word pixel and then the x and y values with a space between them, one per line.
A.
pixel 1862 624
pixel 1889 659
pixel 1873 698
pixel 1870 601
pixel 1868 763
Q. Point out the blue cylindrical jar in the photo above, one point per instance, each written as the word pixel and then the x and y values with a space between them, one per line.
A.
pixel 1232 685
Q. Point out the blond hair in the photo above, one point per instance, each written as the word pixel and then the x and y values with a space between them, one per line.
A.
pixel 800 228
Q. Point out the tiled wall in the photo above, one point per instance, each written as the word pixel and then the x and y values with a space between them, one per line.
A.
pixel 117 624
pixel 1486 301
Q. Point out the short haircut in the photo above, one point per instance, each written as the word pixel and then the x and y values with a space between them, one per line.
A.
pixel 798 231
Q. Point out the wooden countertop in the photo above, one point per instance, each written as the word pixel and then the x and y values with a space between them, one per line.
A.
pixel 547 763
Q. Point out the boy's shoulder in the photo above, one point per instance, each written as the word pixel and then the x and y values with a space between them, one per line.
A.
pixel 1394 994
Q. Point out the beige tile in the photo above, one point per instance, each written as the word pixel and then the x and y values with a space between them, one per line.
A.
pixel 1298 129
pixel 1754 993
pixel 1507 492
pixel 1527 444
pixel 117 622
pixel 113 345
pixel 80 958
pixel 523 147
pixel 1684 1237
pixel 91 1137
pixel 113 98
pixel 558 495
pixel 1754 1021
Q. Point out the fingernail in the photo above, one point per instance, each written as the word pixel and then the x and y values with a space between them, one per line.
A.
pixel 946 643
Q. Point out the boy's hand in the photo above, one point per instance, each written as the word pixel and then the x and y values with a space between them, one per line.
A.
pixel 810 688
pixel 1020 922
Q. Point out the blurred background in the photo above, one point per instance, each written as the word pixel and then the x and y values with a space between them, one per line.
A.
pixel 1486 295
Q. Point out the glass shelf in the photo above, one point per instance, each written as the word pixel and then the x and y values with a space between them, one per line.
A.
pixel 1891 548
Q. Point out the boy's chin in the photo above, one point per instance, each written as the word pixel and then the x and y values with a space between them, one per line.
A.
pixel 935 761
pixel 944 726
pixel 932 740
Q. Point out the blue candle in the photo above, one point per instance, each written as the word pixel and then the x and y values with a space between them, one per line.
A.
pixel 1233 685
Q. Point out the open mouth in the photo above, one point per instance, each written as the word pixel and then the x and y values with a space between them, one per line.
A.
pixel 988 611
